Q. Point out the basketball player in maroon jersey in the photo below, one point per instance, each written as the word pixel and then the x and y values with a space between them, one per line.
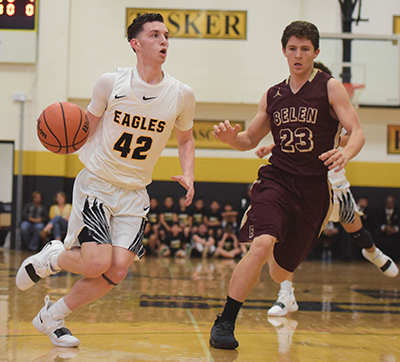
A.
pixel 291 200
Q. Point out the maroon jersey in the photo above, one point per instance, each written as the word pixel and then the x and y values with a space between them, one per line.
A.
pixel 302 126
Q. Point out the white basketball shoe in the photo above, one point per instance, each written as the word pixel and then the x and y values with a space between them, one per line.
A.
pixel 54 327
pixel 37 266
pixel 285 304
pixel 384 263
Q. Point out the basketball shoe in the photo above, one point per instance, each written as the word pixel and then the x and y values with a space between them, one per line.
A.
pixel 222 335
pixel 385 264
pixel 54 326
pixel 37 266
pixel 285 304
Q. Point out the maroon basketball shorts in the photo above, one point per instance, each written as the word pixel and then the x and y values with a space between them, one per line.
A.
pixel 293 209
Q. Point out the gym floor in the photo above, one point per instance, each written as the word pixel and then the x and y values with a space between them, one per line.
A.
pixel 164 309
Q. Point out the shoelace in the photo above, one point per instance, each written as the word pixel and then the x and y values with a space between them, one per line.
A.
pixel 49 322
pixel 40 269
pixel 52 324
pixel 282 295
pixel 224 329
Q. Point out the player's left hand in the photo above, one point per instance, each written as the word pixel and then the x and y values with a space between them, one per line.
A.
pixel 264 150
pixel 188 184
pixel 335 159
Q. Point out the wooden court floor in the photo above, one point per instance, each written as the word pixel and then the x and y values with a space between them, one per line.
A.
pixel 165 308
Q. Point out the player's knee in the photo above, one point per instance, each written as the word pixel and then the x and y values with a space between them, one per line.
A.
pixel 362 238
pixel 262 247
pixel 117 274
pixel 95 268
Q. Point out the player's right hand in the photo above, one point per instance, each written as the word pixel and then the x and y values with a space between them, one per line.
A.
pixel 225 133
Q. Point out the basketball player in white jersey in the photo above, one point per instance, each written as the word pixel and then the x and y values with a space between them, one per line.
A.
pixel 131 114
pixel 346 212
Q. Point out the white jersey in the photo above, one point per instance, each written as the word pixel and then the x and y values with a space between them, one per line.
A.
pixel 133 132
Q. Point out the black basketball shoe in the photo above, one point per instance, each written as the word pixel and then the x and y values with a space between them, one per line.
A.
pixel 222 334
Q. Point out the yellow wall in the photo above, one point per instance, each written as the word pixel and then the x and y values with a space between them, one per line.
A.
pixel 373 167
pixel 237 170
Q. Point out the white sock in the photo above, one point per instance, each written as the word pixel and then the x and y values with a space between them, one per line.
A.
pixel 54 262
pixel 287 285
pixel 59 310
pixel 375 254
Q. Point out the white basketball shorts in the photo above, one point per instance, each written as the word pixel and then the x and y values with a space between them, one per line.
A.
pixel 107 214
pixel 344 206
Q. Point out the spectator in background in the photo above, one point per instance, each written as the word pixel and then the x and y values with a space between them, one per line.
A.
pixel 327 239
pixel 174 242
pixel 245 202
pixel 230 217
pixel 34 216
pixel 151 244
pixel 367 217
pixel 168 216
pixel 388 223
pixel 184 218
pixel 213 220
pixel 203 242
pixel 198 212
pixel 59 215
pixel 153 217
pixel 228 247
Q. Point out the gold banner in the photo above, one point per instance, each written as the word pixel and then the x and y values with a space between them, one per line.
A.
pixel 207 24
pixel 393 141
pixel 396 24
pixel 202 133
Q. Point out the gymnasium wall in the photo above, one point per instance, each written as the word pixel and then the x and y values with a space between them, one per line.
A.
pixel 78 40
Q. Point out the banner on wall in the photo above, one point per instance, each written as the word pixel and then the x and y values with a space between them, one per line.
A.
pixel 393 141
pixel 396 24
pixel 202 134
pixel 203 24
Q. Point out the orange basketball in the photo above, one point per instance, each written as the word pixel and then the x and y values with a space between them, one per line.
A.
pixel 63 128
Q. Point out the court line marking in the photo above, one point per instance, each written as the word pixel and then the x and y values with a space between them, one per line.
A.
pixel 200 336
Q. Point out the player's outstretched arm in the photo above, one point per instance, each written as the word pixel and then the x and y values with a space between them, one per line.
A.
pixel 347 115
pixel 186 157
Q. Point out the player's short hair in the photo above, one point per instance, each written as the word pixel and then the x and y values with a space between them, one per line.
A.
pixel 323 67
pixel 301 29
pixel 136 26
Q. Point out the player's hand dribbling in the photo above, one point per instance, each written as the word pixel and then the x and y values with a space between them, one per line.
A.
pixel 188 184
pixel 225 133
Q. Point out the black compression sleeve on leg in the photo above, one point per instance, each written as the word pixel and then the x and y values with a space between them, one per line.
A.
pixel 362 238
